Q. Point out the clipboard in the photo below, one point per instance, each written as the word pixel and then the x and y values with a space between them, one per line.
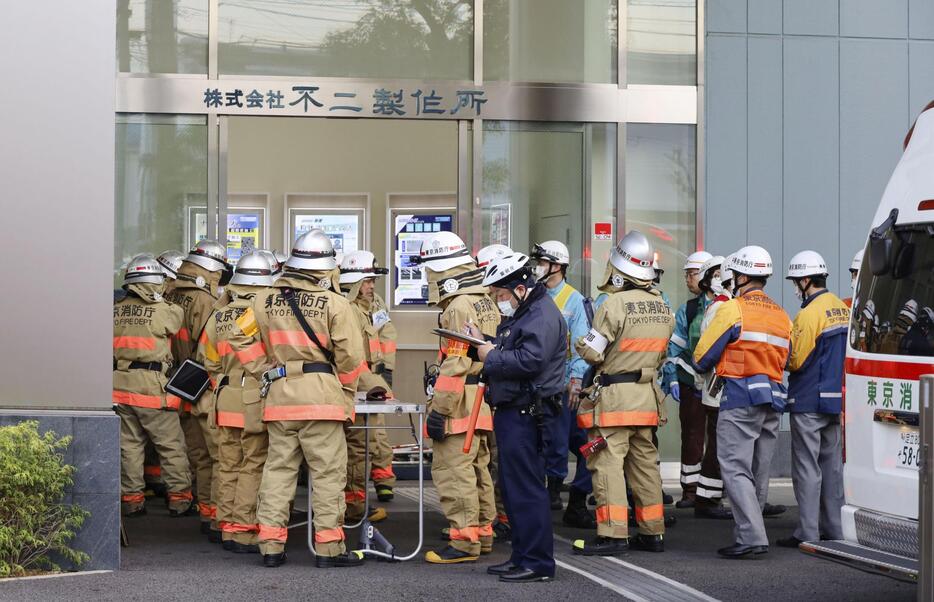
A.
pixel 459 336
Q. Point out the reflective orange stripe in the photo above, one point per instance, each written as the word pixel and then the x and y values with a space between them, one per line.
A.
pixel 450 384
pixel 378 474
pixel 486 530
pixel 133 498
pixel 269 533
pixel 612 513
pixel 618 419
pixel 182 334
pixel 328 535
pixel 643 345
pixel 466 534
pixel 256 350
pixel 230 419
pixel 203 339
pixel 305 412
pixel 502 518
pixel 186 406
pixel 238 528
pixel 173 402
pixel 224 348
pixel 762 347
pixel 459 425
pixel 152 471
pixel 180 496
pixel 649 513
pixel 207 510
pixel 387 346
pixel 348 377
pixel 354 496
pixel 148 343
pixel 153 402
pixel 374 345
pixel 295 338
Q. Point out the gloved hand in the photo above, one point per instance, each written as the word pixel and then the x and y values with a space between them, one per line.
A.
pixel 574 393
pixel 675 390
pixel 435 426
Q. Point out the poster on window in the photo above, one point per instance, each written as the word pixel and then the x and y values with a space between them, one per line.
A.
pixel 242 234
pixel 411 281
pixel 342 229
pixel 499 224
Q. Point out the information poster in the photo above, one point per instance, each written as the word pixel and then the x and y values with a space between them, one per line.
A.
pixel 242 234
pixel 499 224
pixel 411 231
pixel 342 229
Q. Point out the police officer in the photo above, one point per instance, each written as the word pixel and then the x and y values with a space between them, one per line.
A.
pixel 463 480
pixel 525 371
pixel 310 336
pixel 196 291
pixel 359 271
pixel 815 395
pixel 755 329
pixel 242 441
pixel 550 261
pixel 627 345
pixel 143 325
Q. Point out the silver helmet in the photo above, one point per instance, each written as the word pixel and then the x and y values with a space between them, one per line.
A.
pixel 634 255
pixel 273 261
pixel 209 254
pixel 143 269
pixel 253 269
pixel 312 251
pixel 170 261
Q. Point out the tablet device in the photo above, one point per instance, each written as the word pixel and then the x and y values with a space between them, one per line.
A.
pixel 459 336
pixel 189 381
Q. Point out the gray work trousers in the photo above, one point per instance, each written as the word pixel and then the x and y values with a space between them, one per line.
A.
pixel 746 440
pixel 817 474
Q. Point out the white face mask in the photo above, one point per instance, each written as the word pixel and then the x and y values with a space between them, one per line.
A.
pixel 506 308
pixel 798 293
pixel 540 270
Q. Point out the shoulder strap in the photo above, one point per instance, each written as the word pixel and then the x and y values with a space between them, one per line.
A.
pixel 289 295
pixel 588 309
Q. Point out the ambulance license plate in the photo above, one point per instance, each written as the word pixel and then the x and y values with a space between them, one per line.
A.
pixel 907 454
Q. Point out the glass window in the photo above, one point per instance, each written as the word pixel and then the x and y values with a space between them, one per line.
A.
pixel 544 182
pixel 662 44
pixel 159 36
pixel 892 313
pixel 550 40
pixel 161 176
pixel 425 39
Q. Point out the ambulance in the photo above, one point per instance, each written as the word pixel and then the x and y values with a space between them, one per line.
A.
pixel 891 345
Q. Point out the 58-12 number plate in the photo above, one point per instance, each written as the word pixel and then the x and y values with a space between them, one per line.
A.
pixel 907 454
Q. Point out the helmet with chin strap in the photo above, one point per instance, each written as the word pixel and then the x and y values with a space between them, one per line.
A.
pixel 313 251
pixel 143 269
pixel 634 255
pixel 210 255
pixel 509 271
pixel 253 269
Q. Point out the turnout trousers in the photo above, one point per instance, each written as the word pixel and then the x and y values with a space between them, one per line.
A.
pixel 565 436
pixel 700 469
pixel 381 471
pixel 241 457
pixel 522 481
pixel 629 455
pixel 746 440
pixel 202 467
pixel 817 474
pixel 322 444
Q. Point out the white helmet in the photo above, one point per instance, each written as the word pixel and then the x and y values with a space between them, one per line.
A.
pixel 271 258
pixel 143 269
pixel 806 263
pixel 443 251
pixel 358 265
pixel 209 254
pixel 312 251
pixel 712 263
pixel 552 251
pixel 696 260
pixel 751 261
pixel 491 252
pixel 726 274
pixel 869 311
pixel 253 269
pixel 909 311
pixel 281 258
pixel 170 261
pixel 857 262
pixel 508 271
pixel 634 255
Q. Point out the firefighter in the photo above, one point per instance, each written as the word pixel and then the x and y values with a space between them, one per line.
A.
pixel 358 281
pixel 143 325
pixel 196 292
pixel 170 261
pixel 308 334
pixel 525 368
pixel 550 264
pixel 627 346
pixel 463 480
pixel 242 441
pixel 748 342
pixel 815 400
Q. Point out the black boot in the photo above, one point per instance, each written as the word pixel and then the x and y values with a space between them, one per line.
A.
pixel 601 546
pixel 576 514
pixel 648 543
pixel 271 561
pixel 554 492
pixel 346 559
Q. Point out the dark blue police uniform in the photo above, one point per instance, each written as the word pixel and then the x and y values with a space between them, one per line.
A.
pixel 528 364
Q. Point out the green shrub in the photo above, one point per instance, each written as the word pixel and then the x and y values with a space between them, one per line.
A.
pixel 34 522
